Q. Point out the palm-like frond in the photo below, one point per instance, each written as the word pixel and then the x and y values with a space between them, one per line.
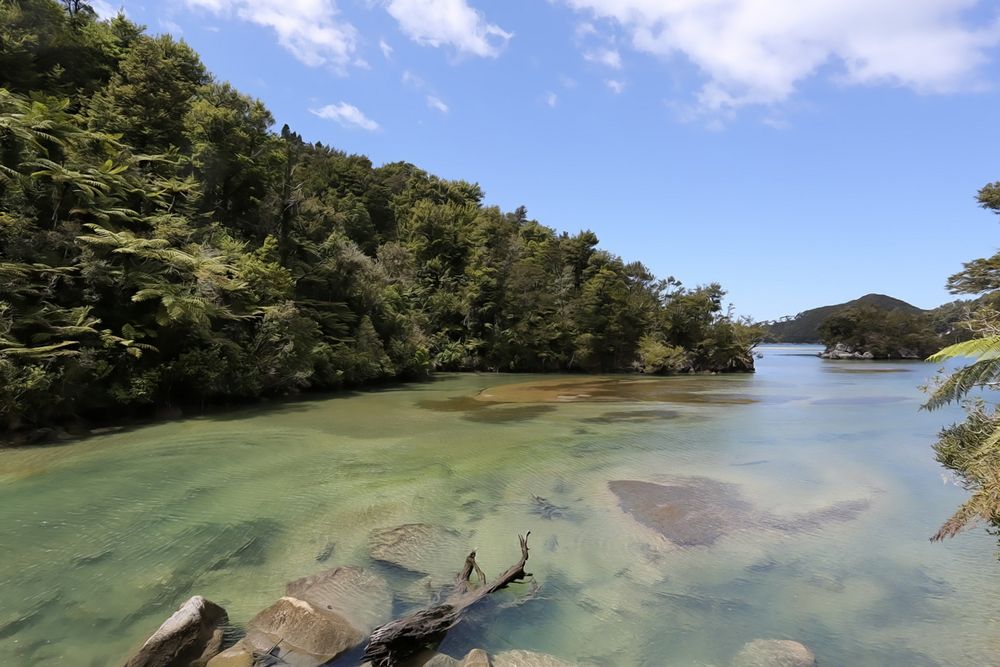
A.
pixel 984 373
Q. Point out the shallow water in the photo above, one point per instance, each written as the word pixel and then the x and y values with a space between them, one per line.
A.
pixel 103 538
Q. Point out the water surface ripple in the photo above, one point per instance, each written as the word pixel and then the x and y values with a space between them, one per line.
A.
pixel 799 500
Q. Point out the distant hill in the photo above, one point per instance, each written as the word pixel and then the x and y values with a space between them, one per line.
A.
pixel 804 327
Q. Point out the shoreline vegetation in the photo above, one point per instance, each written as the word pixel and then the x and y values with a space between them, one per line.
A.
pixel 161 247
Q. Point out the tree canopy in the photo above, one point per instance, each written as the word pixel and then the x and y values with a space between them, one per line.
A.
pixel 161 244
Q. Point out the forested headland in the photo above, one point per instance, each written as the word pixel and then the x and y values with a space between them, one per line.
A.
pixel 162 245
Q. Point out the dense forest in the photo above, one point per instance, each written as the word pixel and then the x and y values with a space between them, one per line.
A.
pixel 878 326
pixel 162 245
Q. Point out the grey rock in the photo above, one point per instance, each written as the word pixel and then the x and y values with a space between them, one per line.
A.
pixel 189 638
pixel 774 653
pixel 520 658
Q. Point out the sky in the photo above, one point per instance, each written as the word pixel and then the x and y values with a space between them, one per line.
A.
pixel 799 152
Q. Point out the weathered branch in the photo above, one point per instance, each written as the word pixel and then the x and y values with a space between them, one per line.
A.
pixel 393 642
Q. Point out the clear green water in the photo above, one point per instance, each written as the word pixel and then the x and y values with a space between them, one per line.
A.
pixel 102 539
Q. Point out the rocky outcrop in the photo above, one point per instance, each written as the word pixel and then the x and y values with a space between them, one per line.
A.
pixel 841 351
pixel 319 618
pixel 774 653
pixel 189 638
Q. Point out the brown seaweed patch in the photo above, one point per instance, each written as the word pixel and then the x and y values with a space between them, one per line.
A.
pixel 454 404
pixel 507 415
pixel 632 416
pixel 697 511
pixel 603 389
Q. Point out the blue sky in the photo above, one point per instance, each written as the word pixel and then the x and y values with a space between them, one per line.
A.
pixel 800 153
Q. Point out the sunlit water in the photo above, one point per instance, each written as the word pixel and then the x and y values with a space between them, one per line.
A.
pixel 102 539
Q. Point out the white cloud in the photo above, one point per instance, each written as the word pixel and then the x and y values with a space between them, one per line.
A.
pixel 615 85
pixel 551 99
pixel 758 51
pixel 105 10
pixel 311 29
pixel 347 115
pixel 171 27
pixel 411 79
pixel 608 57
pixel 386 49
pixel 436 103
pixel 448 22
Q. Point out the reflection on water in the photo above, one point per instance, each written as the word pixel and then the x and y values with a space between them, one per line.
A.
pixel 814 480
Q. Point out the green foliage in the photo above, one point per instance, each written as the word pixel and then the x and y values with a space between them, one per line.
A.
pixel 160 245
pixel 886 334
pixel 971 449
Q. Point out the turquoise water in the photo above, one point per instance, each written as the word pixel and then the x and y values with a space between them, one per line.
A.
pixel 103 538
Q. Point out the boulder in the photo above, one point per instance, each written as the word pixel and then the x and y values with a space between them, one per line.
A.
pixel 189 638
pixel 442 660
pixel 239 655
pixel 520 658
pixel 359 595
pixel 476 658
pixel 418 547
pixel 321 616
pixel 774 653
pixel 300 634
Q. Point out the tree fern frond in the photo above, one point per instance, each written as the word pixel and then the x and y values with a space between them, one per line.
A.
pixel 977 348
pixel 962 381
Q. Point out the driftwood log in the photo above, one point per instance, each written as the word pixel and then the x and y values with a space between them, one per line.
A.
pixel 393 642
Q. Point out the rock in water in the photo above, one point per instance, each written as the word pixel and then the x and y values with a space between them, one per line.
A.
pixel 235 656
pixel 359 595
pixel 690 512
pixel 774 653
pixel 528 659
pixel 476 658
pixel 300 635
pixel 189 638
pixel 418 547
pixel 321 617
pixel 697 511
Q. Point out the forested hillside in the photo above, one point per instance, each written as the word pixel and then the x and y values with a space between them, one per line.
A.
pixel 161 244
pixel 805 327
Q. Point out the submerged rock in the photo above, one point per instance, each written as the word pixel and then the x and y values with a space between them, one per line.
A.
pixel 321 617
pixel 234 656
pixel 357 594
pixel 774 653
pixel 418 547
pixel 697 511
pixel 520 658
pixel 189 638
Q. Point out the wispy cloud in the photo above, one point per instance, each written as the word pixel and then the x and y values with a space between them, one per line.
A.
pixel 312 30
pixel 615 86
pixel 551 99
pixel 449 22
pixel 757 52
pixel 606 56
pixel 386 49
pixel 436 103
pixel 347 115
pixel 106 10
